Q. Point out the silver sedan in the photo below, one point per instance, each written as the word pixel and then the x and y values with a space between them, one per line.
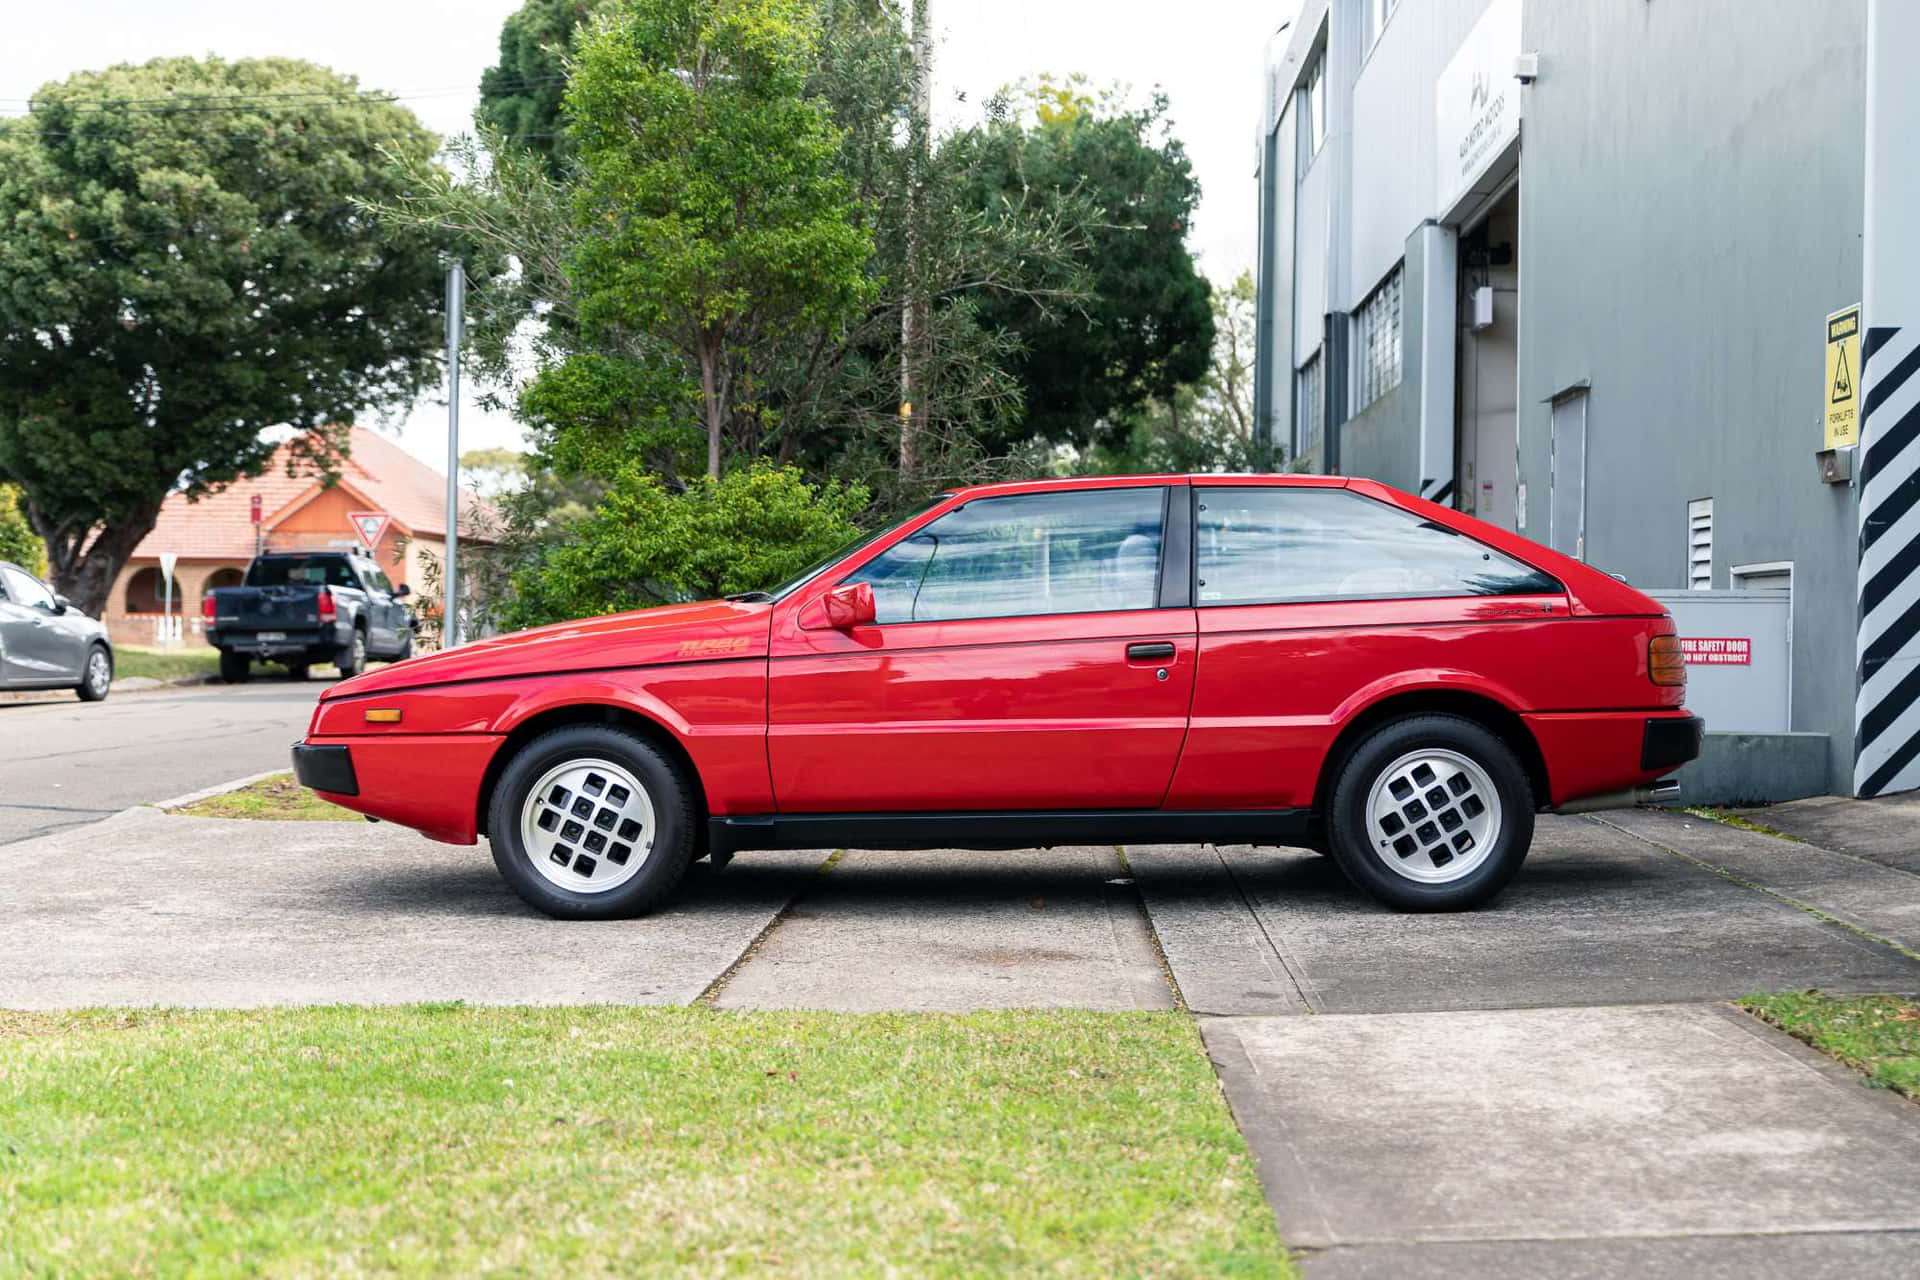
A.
pixel 45 643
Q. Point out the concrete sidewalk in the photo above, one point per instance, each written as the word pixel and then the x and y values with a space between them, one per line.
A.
pixel 1552 1085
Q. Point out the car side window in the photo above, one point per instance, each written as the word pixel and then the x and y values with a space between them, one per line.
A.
pixel 27 592
pixel 1082 551
pixel 1286 545
pixel 376 580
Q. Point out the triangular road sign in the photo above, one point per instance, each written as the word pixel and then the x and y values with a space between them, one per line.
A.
pixel 370 525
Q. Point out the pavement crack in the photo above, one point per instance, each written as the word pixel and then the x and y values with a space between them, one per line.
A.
pixel 1302 986
pixel 1153 934
pixel 1826 917
pixel 710 994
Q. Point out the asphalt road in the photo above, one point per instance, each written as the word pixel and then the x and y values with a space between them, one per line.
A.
pixel 66 762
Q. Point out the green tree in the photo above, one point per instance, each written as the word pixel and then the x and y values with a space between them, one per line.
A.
pixel 17 540
pixel 647 544
pixel 712 215
pixel 520 96
pixel 1146 327
pixel 183 262
pixel 1205 425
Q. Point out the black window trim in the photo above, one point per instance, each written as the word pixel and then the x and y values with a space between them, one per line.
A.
pixel 1559 587
pixel 1168 570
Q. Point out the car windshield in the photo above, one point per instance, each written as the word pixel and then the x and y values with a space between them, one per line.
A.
pixel 826 562
pixel 301 571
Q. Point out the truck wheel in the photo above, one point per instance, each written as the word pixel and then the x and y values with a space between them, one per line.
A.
pixel 591 822
pixel 353 659
pixel 235 668
pixel 406 647
pixel 97 679
pixel 1431 813
pixel 296 671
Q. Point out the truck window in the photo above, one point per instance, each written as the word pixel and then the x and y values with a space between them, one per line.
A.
pixel 301 571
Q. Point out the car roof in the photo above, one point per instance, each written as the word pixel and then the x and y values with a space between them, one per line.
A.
pixel 1063 483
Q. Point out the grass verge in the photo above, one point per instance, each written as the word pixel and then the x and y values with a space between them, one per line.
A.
pixel 275 799
pixel 164 664
pixel 1878 1036
pixel 454 1139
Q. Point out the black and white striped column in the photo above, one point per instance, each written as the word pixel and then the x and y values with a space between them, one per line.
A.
pixel 1887 707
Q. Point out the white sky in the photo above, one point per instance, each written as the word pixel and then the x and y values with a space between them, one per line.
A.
pixel 1206 54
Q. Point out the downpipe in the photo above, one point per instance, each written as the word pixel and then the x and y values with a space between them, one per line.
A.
pixel 1653 793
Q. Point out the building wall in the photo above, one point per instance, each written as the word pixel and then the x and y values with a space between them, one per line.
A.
pixel 1691 203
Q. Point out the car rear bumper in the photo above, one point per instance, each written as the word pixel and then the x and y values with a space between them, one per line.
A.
pixel 321 642
pixel 1590 753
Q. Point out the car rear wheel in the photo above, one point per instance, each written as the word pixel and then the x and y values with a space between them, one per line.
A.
pixel 296 670
pixel 235 668
pixel 96 681
pixel 591 822
pixel 1431 813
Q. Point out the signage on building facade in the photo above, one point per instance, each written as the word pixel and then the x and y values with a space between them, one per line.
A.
pixel 369 525
pixel 1717 651
pixel 1839 391
pixel 1477 102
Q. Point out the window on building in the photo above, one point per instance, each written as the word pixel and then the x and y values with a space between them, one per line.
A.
pixel 1287 546
pixel 1700 544
pixel 1374 15
pixel 1090 551
pixel 1315 115
pixel 1309 407
pixel 1377 326
pixel 147 593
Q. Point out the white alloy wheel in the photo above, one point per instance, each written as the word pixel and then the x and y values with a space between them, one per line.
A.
pixel 99 673
pixel 588 825
pixel 1433 815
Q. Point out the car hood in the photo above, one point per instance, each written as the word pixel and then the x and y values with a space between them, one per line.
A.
pixel 709 631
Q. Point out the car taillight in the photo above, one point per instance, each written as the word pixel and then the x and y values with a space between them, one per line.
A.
pixel 326 605
pixel 206 608
pixel 1666 664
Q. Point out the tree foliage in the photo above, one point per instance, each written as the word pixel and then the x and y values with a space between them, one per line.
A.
pixel 1145 328
pixel 17 540
pixel 712 216
pixel 647 544
pixel 520 95
pixel 182 264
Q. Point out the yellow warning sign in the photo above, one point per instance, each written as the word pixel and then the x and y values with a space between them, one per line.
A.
pixel 1838 394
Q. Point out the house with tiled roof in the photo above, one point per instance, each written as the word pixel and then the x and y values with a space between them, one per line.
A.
pixel 215 537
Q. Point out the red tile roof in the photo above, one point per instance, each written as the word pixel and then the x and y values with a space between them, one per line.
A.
pixel 220 526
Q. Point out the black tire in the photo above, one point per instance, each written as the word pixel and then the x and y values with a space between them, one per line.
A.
pixel 670 793
pixel 1377 870
pixel 235 668
pixel 406 647
pixel 353 656
pixel 296 671
pixel 92 687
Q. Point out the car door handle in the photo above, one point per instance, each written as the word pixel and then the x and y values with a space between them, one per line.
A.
pixel 1150 651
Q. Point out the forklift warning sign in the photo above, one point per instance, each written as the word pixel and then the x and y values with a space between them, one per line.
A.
pixel 1843 375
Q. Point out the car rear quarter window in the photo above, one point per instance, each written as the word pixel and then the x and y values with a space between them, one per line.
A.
pixel 301 571
pixel 1081 551
pixel 1282 546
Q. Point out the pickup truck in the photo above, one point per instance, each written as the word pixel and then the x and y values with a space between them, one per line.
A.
pixel 298 608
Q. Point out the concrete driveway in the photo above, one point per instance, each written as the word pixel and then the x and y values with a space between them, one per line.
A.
pixel 1550 1085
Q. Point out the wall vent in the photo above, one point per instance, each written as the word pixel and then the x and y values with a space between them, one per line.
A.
pixel 1700 544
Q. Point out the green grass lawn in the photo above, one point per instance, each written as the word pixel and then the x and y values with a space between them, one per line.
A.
pixel 278 798
pixel 583 1141
pixel 165 664
pixel 1876 1035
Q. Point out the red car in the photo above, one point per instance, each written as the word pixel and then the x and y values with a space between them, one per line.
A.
pixel 1278 660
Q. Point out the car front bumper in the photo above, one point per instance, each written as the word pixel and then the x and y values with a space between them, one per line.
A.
pixel 325 768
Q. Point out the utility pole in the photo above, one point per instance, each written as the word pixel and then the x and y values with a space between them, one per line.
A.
pixel 450 578
pixel 914 313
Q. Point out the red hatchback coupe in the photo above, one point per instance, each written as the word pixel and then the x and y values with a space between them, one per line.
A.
pixel 1278 660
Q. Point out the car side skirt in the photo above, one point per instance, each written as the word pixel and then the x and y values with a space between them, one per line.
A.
pixel 1009 830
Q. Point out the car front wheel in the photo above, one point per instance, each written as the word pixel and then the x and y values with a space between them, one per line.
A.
pixel 591 822
pixel 1431 813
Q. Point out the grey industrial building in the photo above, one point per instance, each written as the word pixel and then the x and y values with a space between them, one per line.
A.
pixel 1569 265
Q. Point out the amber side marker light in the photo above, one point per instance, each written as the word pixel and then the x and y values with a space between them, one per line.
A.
pixel 383 715
pixel 1666 664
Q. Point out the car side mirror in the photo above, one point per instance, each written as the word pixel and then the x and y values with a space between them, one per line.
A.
pixel 402 591
pixel 850 606
pixel 61 604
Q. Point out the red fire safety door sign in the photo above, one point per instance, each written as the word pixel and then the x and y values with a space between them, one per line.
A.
pixel 1717 651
